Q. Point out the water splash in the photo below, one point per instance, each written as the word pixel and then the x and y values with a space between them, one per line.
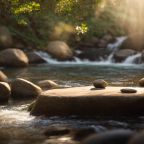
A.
pixel 132 59
pixel 14 116
pixel 115 46
pixel 112 47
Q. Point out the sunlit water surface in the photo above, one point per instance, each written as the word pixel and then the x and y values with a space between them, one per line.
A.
pixel 17 126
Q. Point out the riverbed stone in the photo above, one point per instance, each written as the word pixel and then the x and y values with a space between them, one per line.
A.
pixel 22 88
pixel 94 54
pixel 128 90
pixel 141 82
pixel 109 38
pixel 110 137
pixel 100 83
pixel 57 131
pixel 80 134
pixel 34 58
pixel 5 91
pixel 102 43
pixel 13 58
pixel 89 101
pixel 31 105
pixel 48 84
pixel 3 77
pixel 59 50
pixel 5 37
pixel 122 54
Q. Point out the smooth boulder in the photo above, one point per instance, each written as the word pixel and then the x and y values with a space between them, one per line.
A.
pixel 81 133
pixel 89 101
pixel 5 91
pixel 59 50
pixel 3 77
pixel 57 131
pixel 94 54
pixel 5 37
pixel 122 54
pixel 110 137
pixel 48 84
pixel 100 83
pixel 34 58
pixel 141 82
pixel 22 88
pixel 13 58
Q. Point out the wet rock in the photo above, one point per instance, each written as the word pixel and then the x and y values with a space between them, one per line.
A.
pixel 34 58
pixel 94 40
pixel 5 91
pixel 121 55
pixel 3 77
pixel 85 45
pixel 141 82
pixel 100 83
pixel 110 137
pixel 59 50
pixel 137 139
pixel 89 101
pixel 22 88
pixel 13 58
pixel 102 43
pixel 82 133
pixel 109 38
pixel 30 107
pixel 57 131
pixel 5 37
pixel 94 54
pixel 48 84
pixel 128 90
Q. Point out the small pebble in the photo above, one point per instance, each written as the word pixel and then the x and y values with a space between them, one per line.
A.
pixel 100 83
pixel 128 90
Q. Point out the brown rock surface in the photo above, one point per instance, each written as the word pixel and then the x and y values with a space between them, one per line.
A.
pixel 89 101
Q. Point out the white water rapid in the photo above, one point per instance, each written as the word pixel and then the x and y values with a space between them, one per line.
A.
pixel 112 46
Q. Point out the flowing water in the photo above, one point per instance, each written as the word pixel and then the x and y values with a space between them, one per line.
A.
pixel 17 126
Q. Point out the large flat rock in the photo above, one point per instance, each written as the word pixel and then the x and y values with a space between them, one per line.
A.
pixel 83 101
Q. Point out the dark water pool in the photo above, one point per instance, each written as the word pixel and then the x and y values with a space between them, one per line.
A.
pixel 18 127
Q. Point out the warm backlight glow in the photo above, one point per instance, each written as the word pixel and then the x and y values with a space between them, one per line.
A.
pixel 134 15
pixel 133 20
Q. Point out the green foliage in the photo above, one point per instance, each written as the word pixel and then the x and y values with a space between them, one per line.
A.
pixel 26 8
pixel 37 21
pixel 82 29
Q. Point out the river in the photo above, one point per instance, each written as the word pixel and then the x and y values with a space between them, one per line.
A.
pixel 18 127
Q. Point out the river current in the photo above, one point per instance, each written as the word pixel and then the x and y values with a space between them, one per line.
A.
pixel 18 127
